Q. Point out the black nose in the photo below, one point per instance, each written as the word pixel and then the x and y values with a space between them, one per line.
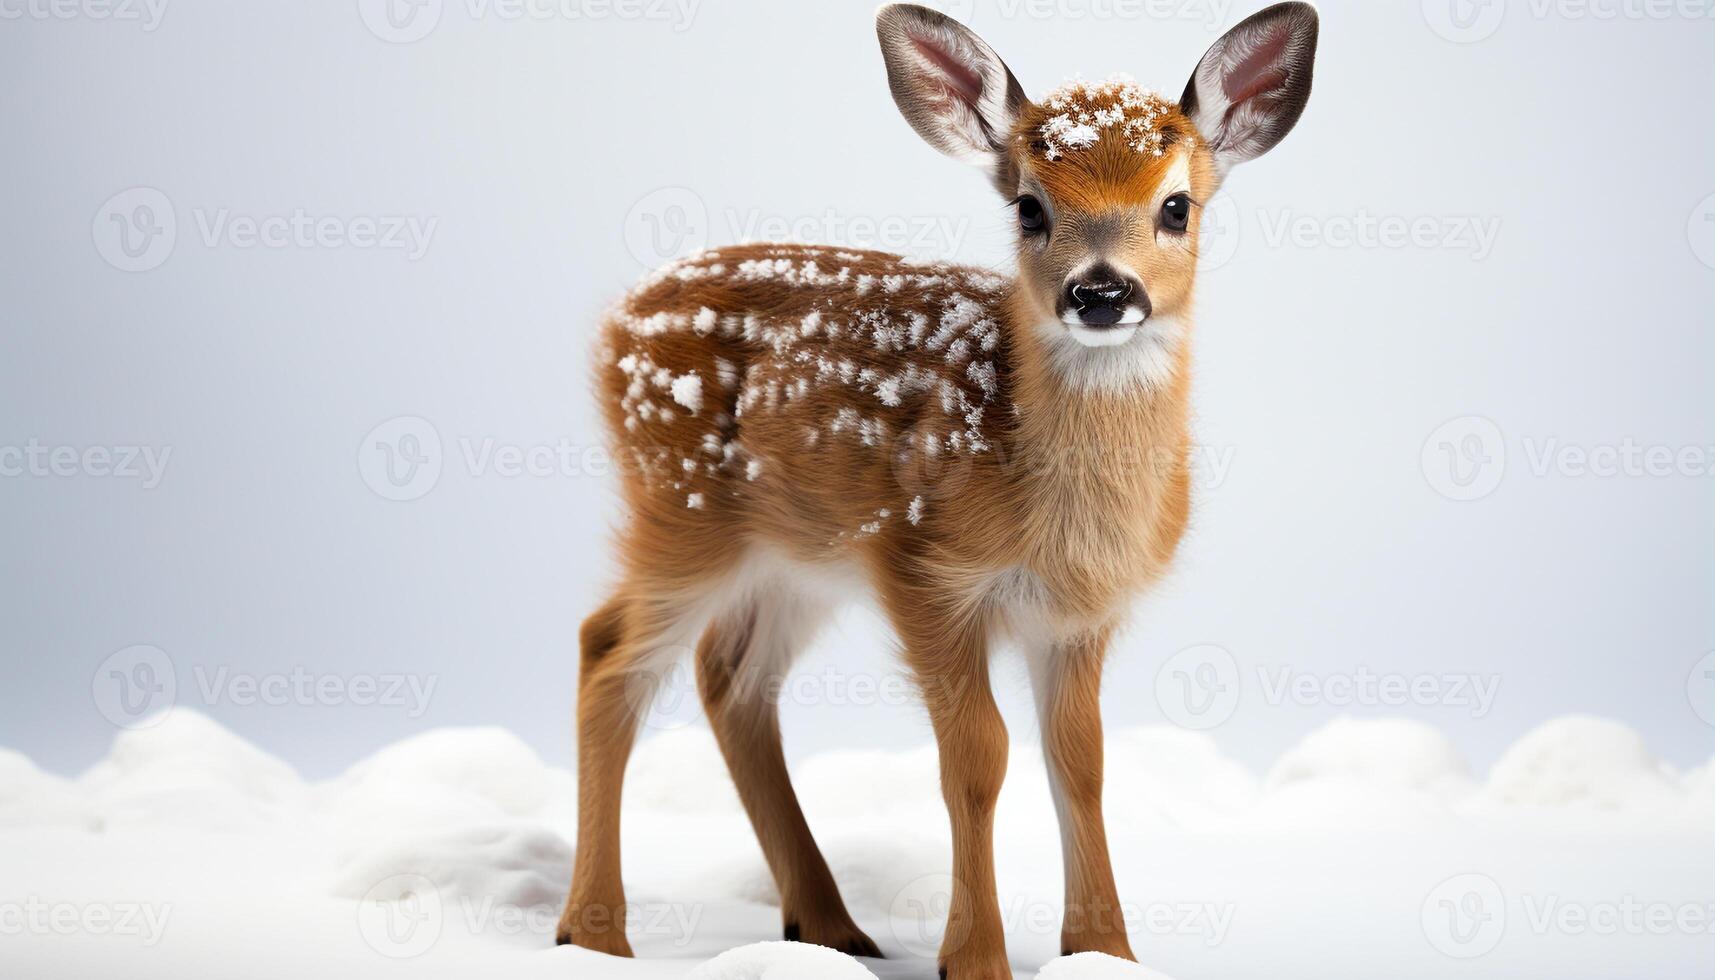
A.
pixel 1092 294
pixel 1102 295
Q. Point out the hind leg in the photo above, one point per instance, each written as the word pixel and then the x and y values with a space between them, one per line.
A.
pixel 623 644
pixel 740 661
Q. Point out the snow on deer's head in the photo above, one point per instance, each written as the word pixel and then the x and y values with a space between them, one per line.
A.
pixel 1108 179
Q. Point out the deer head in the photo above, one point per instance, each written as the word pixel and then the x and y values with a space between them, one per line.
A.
pixel 1108 179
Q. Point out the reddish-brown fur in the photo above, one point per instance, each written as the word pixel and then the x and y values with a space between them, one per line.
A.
pixel 824 411
pixel 1087 491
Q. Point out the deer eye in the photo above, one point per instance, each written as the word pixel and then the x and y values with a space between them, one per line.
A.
pixel 1030 215
pixel 1176 213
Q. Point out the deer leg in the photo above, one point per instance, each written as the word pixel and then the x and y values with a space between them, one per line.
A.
pixel 619 649
pixel 1068 680
pixel 740 661
pixel 950 659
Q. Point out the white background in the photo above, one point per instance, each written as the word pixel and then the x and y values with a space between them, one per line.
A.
pixel 534 145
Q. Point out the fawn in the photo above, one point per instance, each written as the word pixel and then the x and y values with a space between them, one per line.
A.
pixel 990 457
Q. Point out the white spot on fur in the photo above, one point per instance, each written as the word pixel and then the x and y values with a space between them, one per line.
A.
pixel 888 391
pixel 725 373
pixel 688 391
pixel 1083 111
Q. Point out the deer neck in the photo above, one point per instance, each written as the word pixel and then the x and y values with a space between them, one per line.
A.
pixel 1110 432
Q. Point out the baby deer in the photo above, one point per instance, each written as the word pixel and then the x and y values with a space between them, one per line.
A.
pixel 990 457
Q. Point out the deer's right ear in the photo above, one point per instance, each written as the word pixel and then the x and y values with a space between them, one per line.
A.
pixel 949 84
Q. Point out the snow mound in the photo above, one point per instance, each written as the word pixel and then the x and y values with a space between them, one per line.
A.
pixel 189 772
pixel 1699 785
pixel 781 961
pixel 1365 773
pixel 845 782
pixel 1395 754
pixel 869 809
pixel 1581 762
pixel 490 763
pixel 872 867
pixel 520 866
pixel 1097 966
pixel 1178 775
pixel 30 797
pixel 442 779
pixel 680 771
pixel 1344 804
pixel 879 813
pixel 1160 773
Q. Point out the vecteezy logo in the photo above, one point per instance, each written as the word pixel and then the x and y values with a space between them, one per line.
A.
pixel 136 229
pixel 401 917
pixel 1217 232
pixel 1464 21
pixel 666 224
pixel 1465 916
pixel 400 459
pixel 667 699
pixel 930 480
pixel 400 21
pixel 1700 231
pixel 1198 687
pixel 919 916
pixel 1700 688
pixel 134 687
pixel 1465 458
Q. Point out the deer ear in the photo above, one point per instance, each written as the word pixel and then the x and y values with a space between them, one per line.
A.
pixel 1251 87
pixel 949 84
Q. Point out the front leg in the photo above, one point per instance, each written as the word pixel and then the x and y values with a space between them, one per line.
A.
pixel 1068 681
pixel 950 659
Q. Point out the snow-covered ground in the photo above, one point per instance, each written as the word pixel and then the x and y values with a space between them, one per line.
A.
pixel 1368 850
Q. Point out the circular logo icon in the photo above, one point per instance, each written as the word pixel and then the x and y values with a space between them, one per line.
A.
pixel 1465 458
pixel 1700 231
pixel 1464 21
pixel 666 224
pixel 1465 916
pixel 921 916
pixel 136 229
pixel 400 459
pixel 401 916
pixel 400 21
pixel 1198 687
pixel 1700 688
pixel 1217 232
pixel 928 478
pixel 668 699
pixel 135 687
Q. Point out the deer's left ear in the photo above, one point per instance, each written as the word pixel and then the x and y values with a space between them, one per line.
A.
pixel 1252 85
pixel 948 83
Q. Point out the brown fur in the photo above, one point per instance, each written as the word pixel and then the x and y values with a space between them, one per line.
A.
pixel 990 466
pixel 1077 497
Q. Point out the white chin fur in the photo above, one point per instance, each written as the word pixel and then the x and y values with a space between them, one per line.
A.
pixel 1112 336
pixel 1103 337
pixel 1121 358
